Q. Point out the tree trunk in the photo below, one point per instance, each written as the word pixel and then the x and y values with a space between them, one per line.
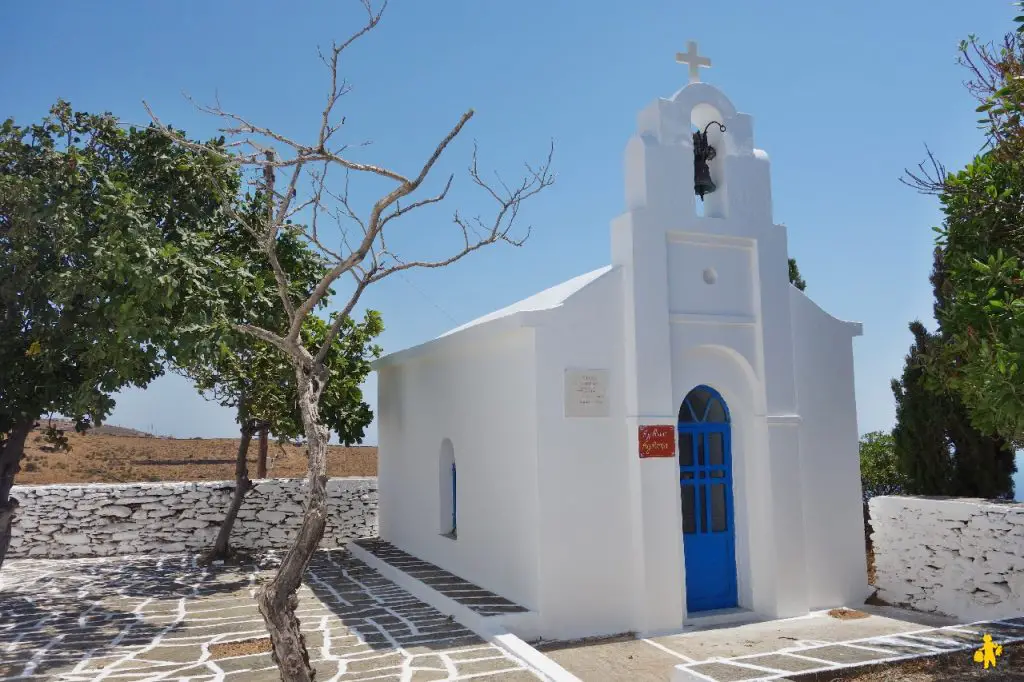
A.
pixel 277 600
pixel 221 548
pixel 11 451
pixel 261 462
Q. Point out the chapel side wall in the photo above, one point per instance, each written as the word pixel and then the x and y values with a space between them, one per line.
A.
pixel 481 397
pixel 829 461
pixel 390 424
pixel 583 472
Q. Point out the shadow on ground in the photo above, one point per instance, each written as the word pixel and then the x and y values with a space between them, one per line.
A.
pixel 383 615
pixel 57 613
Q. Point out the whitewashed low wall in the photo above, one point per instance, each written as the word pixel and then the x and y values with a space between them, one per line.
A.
pixel 959 557
pixel 57 521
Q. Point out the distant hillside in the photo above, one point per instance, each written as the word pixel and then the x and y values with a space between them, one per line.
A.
pixel 106 430
pixel 115 454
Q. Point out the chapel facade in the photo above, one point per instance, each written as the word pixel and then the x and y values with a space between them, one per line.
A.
pixel 667 438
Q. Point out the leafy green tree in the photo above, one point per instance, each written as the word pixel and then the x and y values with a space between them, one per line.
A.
pixel 880 473
pixel 105 243
pixel 794 275
pixel 982 246
pixel 919 437
pixel 239 371
pixel 938 446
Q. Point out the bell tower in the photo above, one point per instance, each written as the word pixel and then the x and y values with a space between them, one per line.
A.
pixel 706 302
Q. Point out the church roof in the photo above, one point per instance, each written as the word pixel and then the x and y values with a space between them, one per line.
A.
pixel 511 315
pixel 545 300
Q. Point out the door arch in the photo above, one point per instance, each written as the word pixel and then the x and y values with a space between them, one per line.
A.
pixel 706 493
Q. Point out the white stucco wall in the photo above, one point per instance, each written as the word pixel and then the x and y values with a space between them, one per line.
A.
pixel 479 392
pixel 829 459
pixel 59 521
pixel 586 564
pixel 959 557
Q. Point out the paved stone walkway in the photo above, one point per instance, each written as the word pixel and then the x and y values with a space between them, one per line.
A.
pixel 821 656
pixel 776 650
pixel 478 599
pixel 148 619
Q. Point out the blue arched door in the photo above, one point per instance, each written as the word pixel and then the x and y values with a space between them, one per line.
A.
pixel 705 480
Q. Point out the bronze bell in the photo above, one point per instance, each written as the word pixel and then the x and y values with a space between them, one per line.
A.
pixel 702 182
pixel 702 153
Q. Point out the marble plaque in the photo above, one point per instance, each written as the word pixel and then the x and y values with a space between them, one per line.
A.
pixel 586 393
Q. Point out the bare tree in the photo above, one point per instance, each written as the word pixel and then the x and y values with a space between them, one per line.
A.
pixel 930 177
pixel 307 197
pixel 991 67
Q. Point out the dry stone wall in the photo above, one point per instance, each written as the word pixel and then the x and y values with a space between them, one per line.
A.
pixel 58 521
pixel 959 557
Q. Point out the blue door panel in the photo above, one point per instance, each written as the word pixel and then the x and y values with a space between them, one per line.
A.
pixel 705 480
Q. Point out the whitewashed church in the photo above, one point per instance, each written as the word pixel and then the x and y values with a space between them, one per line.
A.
pixel 666 437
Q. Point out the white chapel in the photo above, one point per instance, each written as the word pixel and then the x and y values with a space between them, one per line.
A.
pixel 670 436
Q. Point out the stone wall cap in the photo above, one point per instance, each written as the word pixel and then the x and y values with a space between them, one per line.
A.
pixel 937 500
pixel 174 485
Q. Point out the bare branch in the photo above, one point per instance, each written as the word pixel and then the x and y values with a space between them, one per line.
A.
pixel 373 228
pixel 181 139
pixel 399 211
pixel 265 335
pixel 368 259
pixel 315 202
pixel 304 153
pixel 499 230
pixel 931 181
pixel 339 320
pixel 343 200
pixel 336 91
pixel 269 241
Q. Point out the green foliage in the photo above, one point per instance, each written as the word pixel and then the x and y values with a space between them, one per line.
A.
pixel 937 448
pixel 879 469
pixel 56 439
pixel 348 360
pixel 239 370
pixel 982 246
pixel 260 382
pixel 982 240
pixel 919 438
pixel 794 275
pixel 107 239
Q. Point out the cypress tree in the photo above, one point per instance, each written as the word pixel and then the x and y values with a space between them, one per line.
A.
pixel 937 447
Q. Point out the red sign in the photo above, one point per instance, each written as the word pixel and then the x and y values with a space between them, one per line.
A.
pixel 657 441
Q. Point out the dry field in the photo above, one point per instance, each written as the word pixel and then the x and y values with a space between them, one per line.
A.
pixel 112 454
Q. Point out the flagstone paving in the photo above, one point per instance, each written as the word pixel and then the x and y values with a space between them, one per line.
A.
pixel 823 656
pixel 168 618
pixel 777 650
pixel 474 597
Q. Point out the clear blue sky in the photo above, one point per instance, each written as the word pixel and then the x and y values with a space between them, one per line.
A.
pixel 844 96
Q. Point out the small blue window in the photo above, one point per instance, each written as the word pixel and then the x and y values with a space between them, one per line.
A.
pixel 446 491
pixel 455 503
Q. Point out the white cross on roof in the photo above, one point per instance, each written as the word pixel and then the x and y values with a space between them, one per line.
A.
pixel 693 60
